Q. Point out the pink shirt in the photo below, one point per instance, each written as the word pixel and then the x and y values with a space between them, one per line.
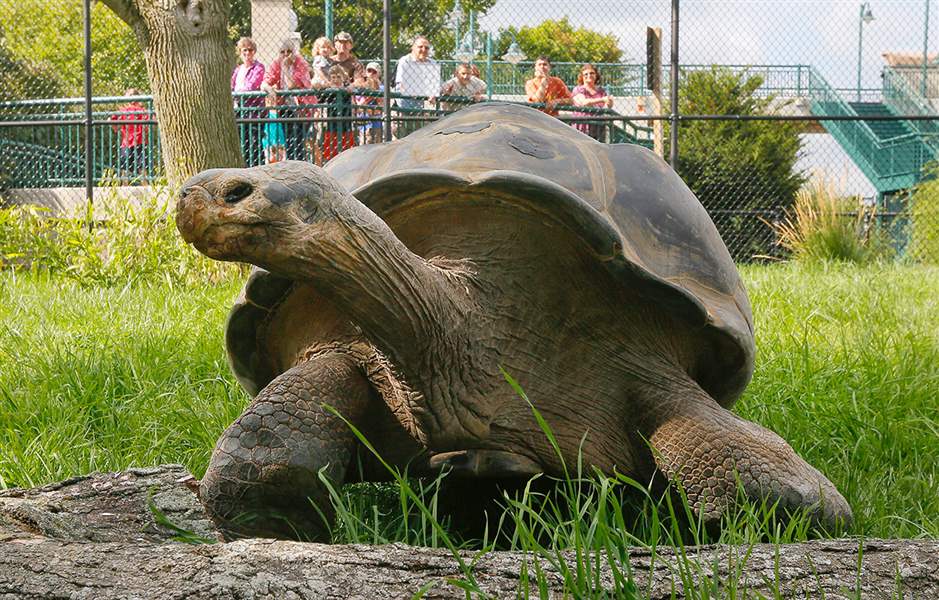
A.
pixel 599 92
pixel 250 80
pixel 295 78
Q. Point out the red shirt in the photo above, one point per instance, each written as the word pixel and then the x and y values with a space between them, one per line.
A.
pixel 556 90
pixel 132 135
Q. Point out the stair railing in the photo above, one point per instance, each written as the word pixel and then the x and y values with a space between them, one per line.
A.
pixel 901 96
pixel 890 164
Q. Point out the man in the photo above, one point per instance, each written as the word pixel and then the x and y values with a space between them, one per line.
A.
pixel 132 157
pixel 547 89
pixel 344 57
pixel 417 75
pixel 465 84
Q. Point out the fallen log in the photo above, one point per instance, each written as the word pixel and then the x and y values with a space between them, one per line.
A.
pixel 55 543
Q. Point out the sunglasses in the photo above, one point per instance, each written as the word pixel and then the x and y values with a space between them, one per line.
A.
pixel 286 52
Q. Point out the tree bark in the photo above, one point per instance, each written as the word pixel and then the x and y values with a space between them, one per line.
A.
pixel 94 537
pixel 189 60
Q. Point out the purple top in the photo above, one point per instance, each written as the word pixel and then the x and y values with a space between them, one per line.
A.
pixel 252 83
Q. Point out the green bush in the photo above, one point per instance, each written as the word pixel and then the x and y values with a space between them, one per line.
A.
pixel 924 215
pixel 123 243
pixel 737 169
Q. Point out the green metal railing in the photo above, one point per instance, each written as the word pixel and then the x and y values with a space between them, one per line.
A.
pixel 619 79
pixel 903 97
pixel 890 164
pixel 52 154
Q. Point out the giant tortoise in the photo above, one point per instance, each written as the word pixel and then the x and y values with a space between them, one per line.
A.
pixel 398 283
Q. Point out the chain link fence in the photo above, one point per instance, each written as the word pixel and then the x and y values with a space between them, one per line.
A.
pixel 771 97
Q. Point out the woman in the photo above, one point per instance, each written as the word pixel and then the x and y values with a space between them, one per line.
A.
pixel 291 72
pixel 589 93
pixel 247 77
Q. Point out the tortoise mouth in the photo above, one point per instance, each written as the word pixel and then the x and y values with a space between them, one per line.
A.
pixel 213 226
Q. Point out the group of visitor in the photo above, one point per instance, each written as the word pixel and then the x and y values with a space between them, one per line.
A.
pixel 312 110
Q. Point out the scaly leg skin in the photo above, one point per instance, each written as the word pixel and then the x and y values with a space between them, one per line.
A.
pixel 262 479
pixel 707 449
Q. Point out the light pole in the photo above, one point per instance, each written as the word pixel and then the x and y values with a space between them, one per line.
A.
pixel 466 49
pixel 456 15
pixel 865 16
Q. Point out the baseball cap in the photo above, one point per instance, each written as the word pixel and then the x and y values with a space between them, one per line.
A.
pixel 373 66
pixel 343 36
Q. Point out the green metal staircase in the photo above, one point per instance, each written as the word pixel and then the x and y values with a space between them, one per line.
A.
pixel 890 153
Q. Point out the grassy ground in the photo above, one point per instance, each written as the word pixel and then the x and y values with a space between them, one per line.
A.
pixel 847 372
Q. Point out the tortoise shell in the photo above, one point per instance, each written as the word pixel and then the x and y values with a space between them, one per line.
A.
pixel 635 213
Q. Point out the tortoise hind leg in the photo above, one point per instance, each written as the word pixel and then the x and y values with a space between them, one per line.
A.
pixel 262 476
pixel 708 449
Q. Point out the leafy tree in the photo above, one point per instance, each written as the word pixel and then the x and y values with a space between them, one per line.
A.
pixel 740 170
pixel 561 42
pixel 46 39
pixel 21 79
pixel 363 19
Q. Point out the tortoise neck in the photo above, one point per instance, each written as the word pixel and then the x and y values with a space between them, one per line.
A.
pixel 400 300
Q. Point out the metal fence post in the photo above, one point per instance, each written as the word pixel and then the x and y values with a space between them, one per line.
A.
pixel 386 65
pixel 89 131
pixel 328 18
pixel 673 92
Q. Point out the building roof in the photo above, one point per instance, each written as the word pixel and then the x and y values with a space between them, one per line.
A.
pixel 908 59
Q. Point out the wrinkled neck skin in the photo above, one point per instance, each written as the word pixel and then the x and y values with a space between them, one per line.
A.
pixel 418 313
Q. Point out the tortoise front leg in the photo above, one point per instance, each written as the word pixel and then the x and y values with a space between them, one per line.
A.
pixel 262 479
pixel 708 450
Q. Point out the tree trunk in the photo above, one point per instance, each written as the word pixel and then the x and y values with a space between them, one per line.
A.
pixel 189 61
pixel 95 537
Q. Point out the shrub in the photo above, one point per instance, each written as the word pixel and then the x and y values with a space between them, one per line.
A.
pixel 123 243
pixel 824 225
pixel 924 216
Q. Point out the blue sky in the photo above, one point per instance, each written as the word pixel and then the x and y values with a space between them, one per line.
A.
pixel 822 33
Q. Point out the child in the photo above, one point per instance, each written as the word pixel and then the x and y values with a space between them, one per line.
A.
pixel 339 106
pixel 360 101
pixel 274 139
pixel 371 128
pixel 323 48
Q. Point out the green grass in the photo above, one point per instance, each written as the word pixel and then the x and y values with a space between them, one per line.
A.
pixel 848 372
pixel 105 378
pixel 102 378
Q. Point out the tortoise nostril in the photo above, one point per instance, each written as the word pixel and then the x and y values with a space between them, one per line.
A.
pixel 238 192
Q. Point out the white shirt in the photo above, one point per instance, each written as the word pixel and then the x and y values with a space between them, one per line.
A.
pixel 416 78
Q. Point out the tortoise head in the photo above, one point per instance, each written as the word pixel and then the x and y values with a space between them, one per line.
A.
pixel 260 215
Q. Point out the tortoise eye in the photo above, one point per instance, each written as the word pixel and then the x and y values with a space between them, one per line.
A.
pixel 238 192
